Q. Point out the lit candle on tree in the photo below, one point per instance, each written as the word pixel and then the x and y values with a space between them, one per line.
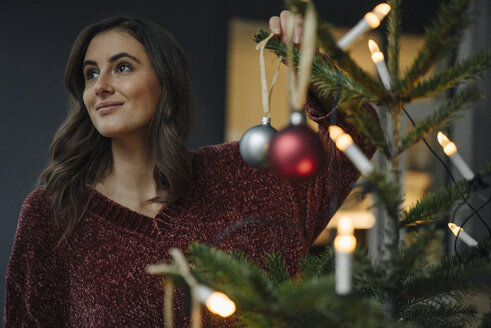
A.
pixel 451 151
pixel 344 245
pixel 345 143
pixel 462 235
pixel 216 302
pixel 369 21
pixel 378 60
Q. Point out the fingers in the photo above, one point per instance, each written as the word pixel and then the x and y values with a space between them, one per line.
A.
pixel 279 26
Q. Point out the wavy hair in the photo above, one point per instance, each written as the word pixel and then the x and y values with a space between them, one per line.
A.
pixel 80 156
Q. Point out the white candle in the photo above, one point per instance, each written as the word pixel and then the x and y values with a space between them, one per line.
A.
pixel 345 143
pixel 378 60
pixel 344 245
pixel 462 235
pixel 369 21
pixel 450 150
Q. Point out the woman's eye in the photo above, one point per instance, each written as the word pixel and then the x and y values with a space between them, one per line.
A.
pixel 123 67
pixel 90 74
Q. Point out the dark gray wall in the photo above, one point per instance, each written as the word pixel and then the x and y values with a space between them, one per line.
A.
pixel 35 39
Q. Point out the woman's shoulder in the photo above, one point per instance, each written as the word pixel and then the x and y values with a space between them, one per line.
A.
pixel 36 208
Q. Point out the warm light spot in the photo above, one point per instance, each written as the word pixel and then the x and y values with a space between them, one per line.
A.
pixel 454 228
pixel 345 244
pixel 448 146
pixel 377 55
pixel 372 20
pixel 220 304
pixel 381 10
pixel 344 141
pixel 335 132
pixel 345 226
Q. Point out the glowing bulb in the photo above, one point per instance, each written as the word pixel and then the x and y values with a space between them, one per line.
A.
pixel 455 228
pixel 344 142
pixel 345 226
pixel 345 244
pixel 450 150
pixel 462 235
pixel 377 55
pixel 220 304
pixel 381 10
pixel 372 20
pixel 216 302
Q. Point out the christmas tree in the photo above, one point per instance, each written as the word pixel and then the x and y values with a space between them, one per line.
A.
pixel 407 287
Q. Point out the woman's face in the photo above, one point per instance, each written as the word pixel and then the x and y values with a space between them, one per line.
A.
pixel 121 88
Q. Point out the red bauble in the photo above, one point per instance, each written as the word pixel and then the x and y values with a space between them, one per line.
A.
pixel 296 153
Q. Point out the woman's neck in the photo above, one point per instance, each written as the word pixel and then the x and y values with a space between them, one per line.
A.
pixel 130 181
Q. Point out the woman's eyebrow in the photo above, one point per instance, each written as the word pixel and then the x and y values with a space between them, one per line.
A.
pixel 112 59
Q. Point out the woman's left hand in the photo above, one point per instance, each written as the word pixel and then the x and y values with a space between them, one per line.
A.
pixel 279 25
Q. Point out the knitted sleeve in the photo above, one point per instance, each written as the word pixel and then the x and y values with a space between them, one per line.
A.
pixel 33 296
pixel 322 196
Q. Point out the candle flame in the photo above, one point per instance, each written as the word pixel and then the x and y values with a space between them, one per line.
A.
pixel 377 55
pixel 372 19
pixel 454 228
pixel 341 138
pixel 345 244
pixel 381 10
pixel 345 226
pixel 448 146
pixel 220 304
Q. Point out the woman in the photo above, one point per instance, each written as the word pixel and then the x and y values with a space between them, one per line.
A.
pixel 121 189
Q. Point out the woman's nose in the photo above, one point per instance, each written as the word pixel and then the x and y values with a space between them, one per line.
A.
pixel 103 85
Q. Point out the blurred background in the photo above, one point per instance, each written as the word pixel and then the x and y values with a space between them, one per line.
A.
pixel 36 37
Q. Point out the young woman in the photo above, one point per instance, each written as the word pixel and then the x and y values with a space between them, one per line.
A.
pixel 121 189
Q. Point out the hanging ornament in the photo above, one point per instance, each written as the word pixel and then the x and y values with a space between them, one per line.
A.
pixel 255 141
pixel 296 152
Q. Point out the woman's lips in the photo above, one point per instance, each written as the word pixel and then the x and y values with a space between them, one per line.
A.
pixel 107 107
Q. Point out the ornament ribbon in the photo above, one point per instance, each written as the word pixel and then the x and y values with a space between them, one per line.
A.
pixel 266 95
pixel 298 89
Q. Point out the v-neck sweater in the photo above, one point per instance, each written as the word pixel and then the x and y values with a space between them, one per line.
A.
pixel 97 278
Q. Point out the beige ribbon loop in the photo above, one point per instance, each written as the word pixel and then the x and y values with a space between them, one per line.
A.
pixel 266 95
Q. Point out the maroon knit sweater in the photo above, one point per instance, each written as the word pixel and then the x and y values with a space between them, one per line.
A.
pixel 97 277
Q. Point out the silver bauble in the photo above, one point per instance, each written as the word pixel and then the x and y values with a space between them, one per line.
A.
pixel 254 144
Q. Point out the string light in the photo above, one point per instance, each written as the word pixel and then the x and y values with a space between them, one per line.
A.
pixel 371 20
pixel 216 302
pixel 378 60
pixel 345 143
pixel 344 245
pixel 450 150
pixel 462 235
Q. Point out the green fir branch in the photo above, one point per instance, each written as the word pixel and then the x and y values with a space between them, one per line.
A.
pixel 441 315
pixel 440 117
pixel 317 265
pixel 393 23
pixel 375 90
pixel 468 69
pixel 365 123
pixel 442 36
pixel 277 267
pixel 434 206
pixel 387 193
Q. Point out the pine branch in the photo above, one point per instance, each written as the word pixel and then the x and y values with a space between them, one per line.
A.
pixel 468 69
pixel 444 315
pixel 365 123
pixel 387 193
pixel 375 90
pixel 440 117
pixel 277 267
pixel 393 22
pixel 442 36
pixel 317 265
pixel 433 206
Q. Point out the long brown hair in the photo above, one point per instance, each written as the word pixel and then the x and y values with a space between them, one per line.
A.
pixel 80 156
